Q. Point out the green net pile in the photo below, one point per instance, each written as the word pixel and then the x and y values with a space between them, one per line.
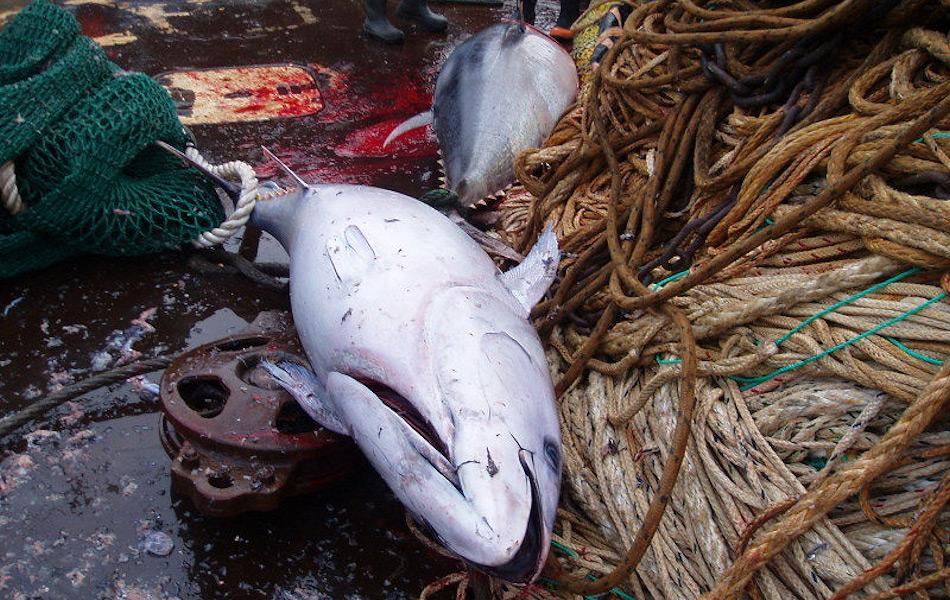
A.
pixel 80 132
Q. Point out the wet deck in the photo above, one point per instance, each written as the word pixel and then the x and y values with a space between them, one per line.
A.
pixel 80 497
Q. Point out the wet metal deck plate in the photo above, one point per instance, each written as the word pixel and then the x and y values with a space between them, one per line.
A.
pixel 79 500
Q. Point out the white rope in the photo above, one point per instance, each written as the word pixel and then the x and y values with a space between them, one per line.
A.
pixel 245 204
pixel 8 190
pixel 235 169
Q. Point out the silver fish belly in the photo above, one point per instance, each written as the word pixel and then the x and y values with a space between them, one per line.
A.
pixel 501 92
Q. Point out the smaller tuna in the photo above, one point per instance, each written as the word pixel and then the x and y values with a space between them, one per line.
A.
pixel 499 93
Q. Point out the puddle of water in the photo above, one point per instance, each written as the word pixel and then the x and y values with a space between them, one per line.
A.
pixel 223 322
pixel 77 504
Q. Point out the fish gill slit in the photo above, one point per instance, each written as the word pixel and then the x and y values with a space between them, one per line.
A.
pixel 408 413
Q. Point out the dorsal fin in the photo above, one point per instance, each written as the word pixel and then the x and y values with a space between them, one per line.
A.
pixel 303 184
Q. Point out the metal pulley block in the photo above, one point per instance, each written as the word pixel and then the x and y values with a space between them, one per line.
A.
pixel 237 440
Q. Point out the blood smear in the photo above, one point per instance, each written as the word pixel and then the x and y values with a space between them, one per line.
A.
pixel 367 142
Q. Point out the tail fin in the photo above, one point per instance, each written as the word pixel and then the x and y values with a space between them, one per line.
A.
pixel 420 120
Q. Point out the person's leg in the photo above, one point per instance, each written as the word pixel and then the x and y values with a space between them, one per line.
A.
pixel 570 10
pixel 418 10
pixel 377 25
pixel 526 10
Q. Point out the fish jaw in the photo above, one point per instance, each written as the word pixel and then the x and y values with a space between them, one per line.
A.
pixel 445 508
pixel 491 371
pixel 505 487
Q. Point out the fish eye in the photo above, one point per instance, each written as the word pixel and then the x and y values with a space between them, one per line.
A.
pixel 552 453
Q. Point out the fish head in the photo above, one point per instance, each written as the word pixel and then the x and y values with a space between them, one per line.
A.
pixel 510 477
pixel 501 433
pixel 468 439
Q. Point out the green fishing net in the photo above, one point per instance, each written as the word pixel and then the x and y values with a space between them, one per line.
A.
pixel 80 132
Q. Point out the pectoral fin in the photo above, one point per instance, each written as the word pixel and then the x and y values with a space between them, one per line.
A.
pixel 302 383
pixel 531 279
pixel 351 256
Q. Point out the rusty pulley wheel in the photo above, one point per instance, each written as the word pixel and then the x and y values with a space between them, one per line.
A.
pixel 239 442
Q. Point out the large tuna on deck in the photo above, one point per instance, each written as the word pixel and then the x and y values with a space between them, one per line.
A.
pixel 421 351
pixel 499 93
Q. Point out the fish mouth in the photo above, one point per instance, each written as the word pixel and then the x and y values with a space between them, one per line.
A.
pixel 525 566
pixel 411 416
pixel 527 562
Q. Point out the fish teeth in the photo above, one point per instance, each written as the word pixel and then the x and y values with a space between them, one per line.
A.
pixel 441 162
pixel 274 194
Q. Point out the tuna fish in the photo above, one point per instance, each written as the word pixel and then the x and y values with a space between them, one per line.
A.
pixel 421 350
pixel 499 93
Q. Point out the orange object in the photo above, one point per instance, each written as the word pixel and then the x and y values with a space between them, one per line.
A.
pixel 561 34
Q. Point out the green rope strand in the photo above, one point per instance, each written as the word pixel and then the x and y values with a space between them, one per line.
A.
pixel 669 279
pixel 615 591
pixel 841 303
pixel 757 380
pixel 914 353
pixel 934 135
pixel 751 382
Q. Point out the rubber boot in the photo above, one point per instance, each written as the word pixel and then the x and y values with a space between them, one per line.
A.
pixel 418 10
pixel 377 25
pixel 526 10
pixel 570 11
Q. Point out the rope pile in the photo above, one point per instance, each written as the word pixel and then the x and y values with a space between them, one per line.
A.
pixel 750 330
